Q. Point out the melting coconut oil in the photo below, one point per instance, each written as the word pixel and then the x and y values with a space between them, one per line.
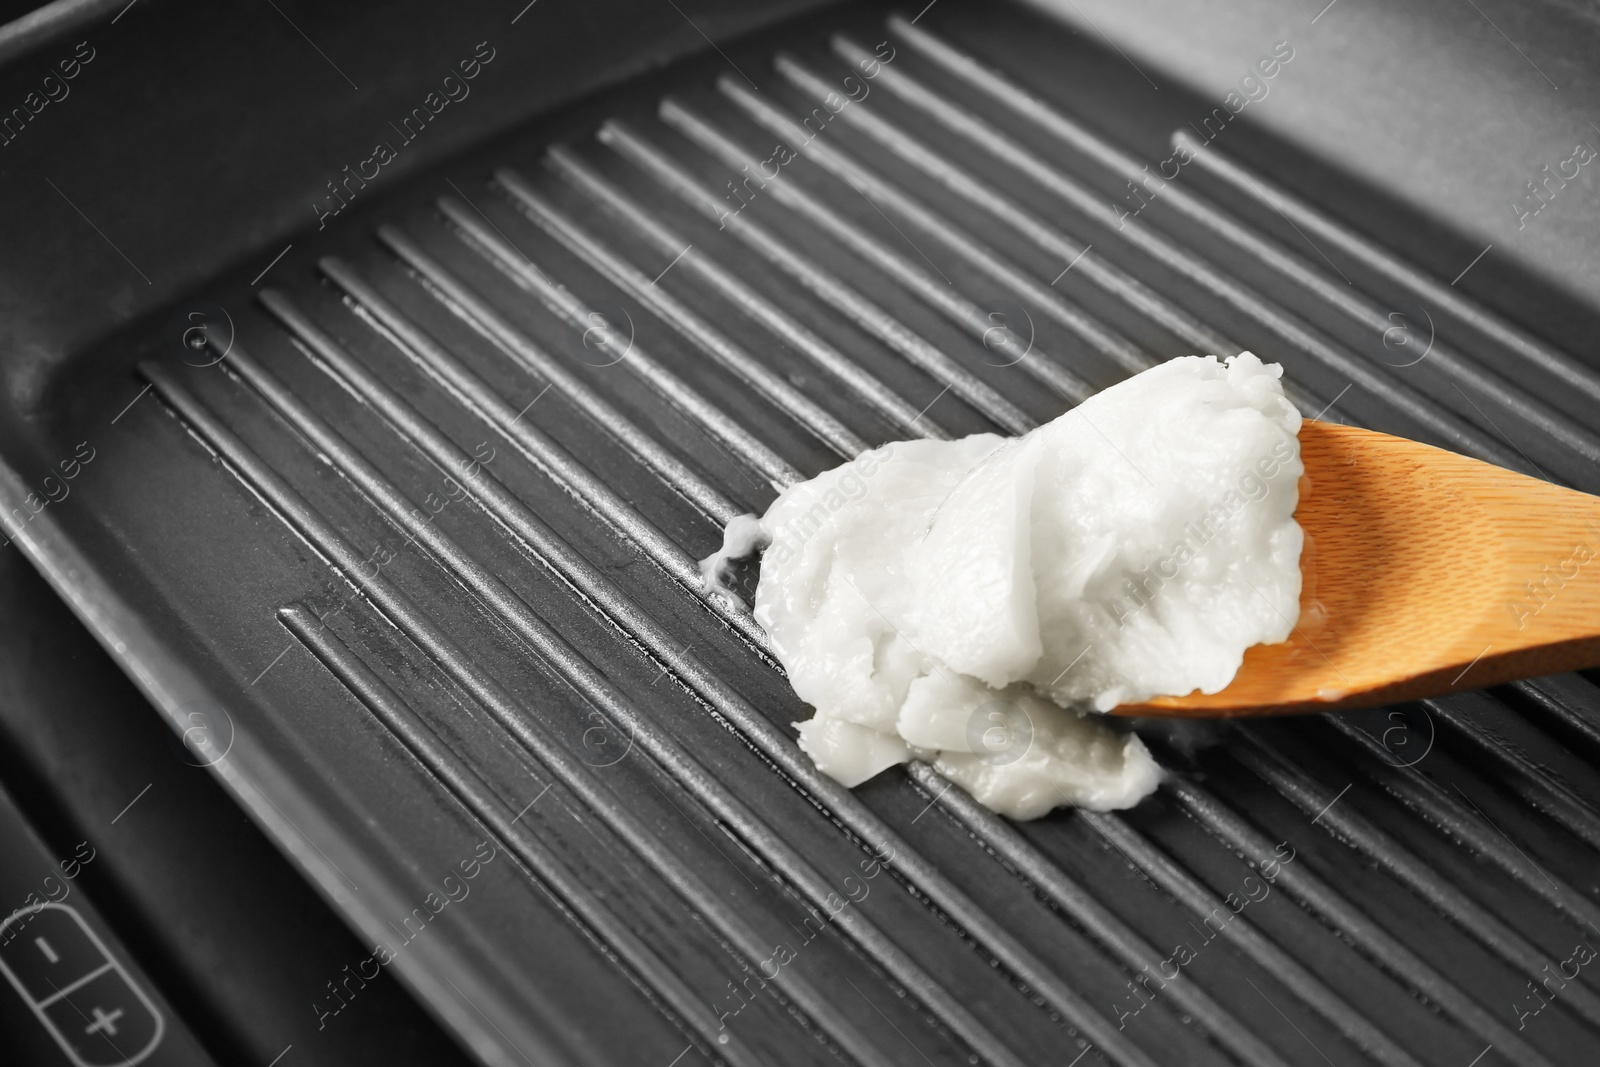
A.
pixel 980 603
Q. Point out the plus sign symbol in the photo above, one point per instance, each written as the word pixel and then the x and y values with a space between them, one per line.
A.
pixel 103 1023
pixel 104 1020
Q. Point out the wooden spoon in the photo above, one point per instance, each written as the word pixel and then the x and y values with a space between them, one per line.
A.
pixel 1424 573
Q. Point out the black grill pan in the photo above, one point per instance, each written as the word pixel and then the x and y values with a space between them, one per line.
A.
pixel 422 548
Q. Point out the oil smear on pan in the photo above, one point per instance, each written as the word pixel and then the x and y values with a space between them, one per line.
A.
pixel 974 603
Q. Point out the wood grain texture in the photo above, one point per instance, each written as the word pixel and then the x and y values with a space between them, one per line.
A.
pixel 1424 573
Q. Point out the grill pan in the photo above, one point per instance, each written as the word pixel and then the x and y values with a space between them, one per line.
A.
pixel 418 551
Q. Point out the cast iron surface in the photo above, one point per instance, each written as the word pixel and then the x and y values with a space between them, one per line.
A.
pixel 426 535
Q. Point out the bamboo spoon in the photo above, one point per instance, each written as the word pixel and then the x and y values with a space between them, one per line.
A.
pixel 1423 573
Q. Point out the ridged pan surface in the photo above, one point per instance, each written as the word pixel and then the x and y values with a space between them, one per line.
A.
pixel 428 534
